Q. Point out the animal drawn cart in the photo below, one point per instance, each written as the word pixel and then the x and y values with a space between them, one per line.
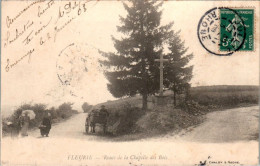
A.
pixel 96 117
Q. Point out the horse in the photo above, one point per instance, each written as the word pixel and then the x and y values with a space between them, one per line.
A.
pixel 96 117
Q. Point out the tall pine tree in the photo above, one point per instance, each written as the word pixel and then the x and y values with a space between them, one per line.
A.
pixel 177 71
pixel 132 69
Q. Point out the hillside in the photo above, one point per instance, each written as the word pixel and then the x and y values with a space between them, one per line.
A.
pixel 127 117
pixel 205 95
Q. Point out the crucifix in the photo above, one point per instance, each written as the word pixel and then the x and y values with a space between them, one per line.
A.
pixel 161 60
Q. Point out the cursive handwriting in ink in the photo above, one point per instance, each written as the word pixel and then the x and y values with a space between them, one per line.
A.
pixel 11 65
pixel 70 6
pixel 42 27
pixel 18 33
pixel 58 29
pixel 10 21
pixel 28 39
pixel 41 10
pixel 43 40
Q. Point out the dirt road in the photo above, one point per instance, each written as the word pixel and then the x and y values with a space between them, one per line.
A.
pixel 67 140
pixel 238 124
pixel 71 128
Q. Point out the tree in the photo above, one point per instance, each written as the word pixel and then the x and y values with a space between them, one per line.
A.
pixel 65 110
pixel 86 107
pixel 177 72
pixel 65 106
pixel 132 69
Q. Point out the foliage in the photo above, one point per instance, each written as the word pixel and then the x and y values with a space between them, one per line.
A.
pixel 193 107
pixel 86 107
pixel 65 110
pixel 122 118
pixel 177 73
pixel 166 119
pixel 132 69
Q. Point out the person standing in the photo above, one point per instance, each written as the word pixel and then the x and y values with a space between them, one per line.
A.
pixel 15 128
pixel 103 114
pixel 24 123
pixel 91 120
pixel 103 111
pixel 46 125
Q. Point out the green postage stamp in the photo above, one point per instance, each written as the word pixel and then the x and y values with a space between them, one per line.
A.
pixel 237 29
pixel 223 31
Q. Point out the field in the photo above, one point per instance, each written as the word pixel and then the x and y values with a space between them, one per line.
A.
pixel 225 96
pixel 218 96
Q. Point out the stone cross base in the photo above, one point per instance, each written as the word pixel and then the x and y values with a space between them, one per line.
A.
pixel 161 100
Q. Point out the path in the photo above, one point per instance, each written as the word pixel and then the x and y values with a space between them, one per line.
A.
pixel 238 124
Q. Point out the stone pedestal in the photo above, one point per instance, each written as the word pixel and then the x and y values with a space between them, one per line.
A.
pixel 161 100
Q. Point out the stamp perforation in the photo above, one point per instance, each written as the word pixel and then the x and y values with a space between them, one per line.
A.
pixel 254 28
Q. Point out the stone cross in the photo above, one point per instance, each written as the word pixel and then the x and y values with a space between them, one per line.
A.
pixel 161 60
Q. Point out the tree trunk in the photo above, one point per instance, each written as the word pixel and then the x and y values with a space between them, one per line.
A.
pixel 174 94
pixel 187 95
pixel 144 73
pixel 144 102
pixel 174 98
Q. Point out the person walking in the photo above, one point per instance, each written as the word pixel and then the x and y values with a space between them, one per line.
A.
pixel 46 125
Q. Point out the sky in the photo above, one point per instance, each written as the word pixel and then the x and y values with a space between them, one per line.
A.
pixel 35 77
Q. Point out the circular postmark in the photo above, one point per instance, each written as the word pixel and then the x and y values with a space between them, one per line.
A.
pixel 221 31
pixel 71 64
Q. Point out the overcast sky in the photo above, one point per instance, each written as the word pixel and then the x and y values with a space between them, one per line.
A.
pixel 37 80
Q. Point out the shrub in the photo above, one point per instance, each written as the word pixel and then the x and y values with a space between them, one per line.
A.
pixel 122 119
pixel 166 119
pixel 86 107
pixel 193 107
pixel 65 110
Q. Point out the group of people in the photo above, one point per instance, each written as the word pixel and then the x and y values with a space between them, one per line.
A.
pixel 21 127
pixel 97 116
pixel 102 112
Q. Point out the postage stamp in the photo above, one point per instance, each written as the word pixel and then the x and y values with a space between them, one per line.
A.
pixel 236 29
pixel 223 31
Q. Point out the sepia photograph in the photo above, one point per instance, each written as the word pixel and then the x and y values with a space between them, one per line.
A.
pixel 129 83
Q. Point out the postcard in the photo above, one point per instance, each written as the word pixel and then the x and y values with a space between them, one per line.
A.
pixel 129 83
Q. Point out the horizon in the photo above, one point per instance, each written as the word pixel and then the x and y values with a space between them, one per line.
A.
pixel 11 108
